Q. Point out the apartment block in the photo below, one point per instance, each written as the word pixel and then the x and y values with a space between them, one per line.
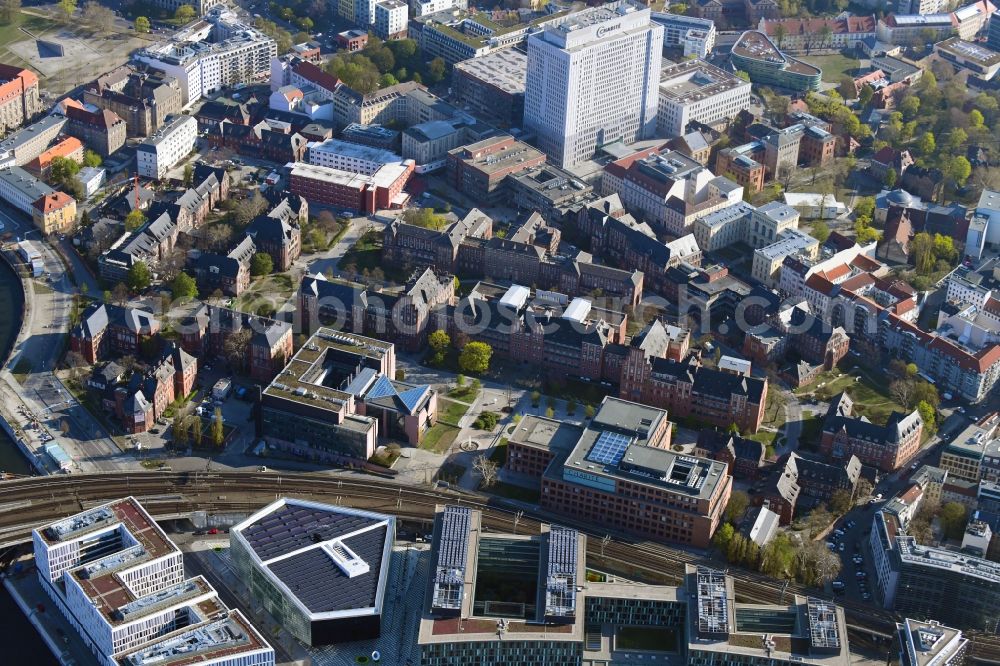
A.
pixel 167 147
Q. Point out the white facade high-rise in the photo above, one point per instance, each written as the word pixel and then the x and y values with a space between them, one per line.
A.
pixel 593 80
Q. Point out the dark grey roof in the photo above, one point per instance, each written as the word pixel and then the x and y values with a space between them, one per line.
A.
pixel 708 381
pixel 314 578
pixel 291 527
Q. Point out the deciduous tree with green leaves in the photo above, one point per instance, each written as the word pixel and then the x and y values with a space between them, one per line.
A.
pixel 261 264
pixel 134 220
pixel 183 287
pixel 142 25
pixel 185 13
pixel 138 277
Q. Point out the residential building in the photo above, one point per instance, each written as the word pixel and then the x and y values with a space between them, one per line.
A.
pixel 425 7
pixel 574 65
pixel 755 54
pixel 391 18
pixel 696 91
pixel 213 53
pixel 19 97
pixel 692 36
pixel 492 87
pixel 51 211
pixel 624 451
pixel 886 447
pixel 350 190
pixel 29 142
pixel 479 170
pixel 929 643
pixel 325 581
pixel 102 131
pixel 167 147
pixel 119 581
pixel 819 480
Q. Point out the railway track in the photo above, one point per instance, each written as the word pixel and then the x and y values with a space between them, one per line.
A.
pixel 29 503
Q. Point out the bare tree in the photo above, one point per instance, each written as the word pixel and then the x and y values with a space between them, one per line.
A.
pixel 486 469
pixel 120 294
pixel 76 363
pixel 863 489
pixel 902 392
pixel 236 345
pixel 128 363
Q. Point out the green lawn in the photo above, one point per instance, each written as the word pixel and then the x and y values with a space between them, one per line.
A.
pixel 835 67
pixel 464 393
pixel 450 411
pixel 439 438
pixel 870 395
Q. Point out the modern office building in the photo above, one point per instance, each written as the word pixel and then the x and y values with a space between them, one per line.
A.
pixel 592 81
pixel 619 471
pixel 492 87
pixel 929 643
pixel 692 36
pixel 696 91
pixel 216 52
pixel 167 147
pixel 479 170
pixel 499 599
pixel 119 581
pixel 320 570
pixel 338 394
pixel 755 54
pixel 721 632
pixel 982 62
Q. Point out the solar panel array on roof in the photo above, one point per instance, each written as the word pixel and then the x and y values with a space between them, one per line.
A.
pixel 560 582
pixel 823 630
pixel 453 550
pixel 322 586
pixel 609 448
pixel 713 602
pixel 292 527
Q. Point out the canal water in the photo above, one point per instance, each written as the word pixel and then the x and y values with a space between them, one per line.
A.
pixel 22 644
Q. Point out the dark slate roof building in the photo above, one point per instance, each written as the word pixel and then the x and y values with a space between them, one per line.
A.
pixel 321 570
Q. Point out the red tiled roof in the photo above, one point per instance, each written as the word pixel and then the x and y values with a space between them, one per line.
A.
pixel 819 283
pixel 53 202
pixel 620 167
pixel 311 72
pixel 837 272
pixel 813 26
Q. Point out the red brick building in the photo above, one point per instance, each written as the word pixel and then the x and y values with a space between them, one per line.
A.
pixel 204 334
pixel 689 390
pixel 886 447
pixel 353 191
pixel 619 472
pixel 105 328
